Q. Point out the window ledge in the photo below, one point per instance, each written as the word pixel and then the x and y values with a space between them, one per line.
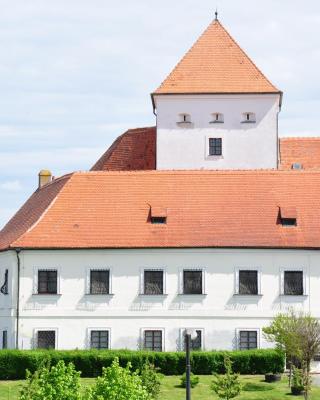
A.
pixel 248 122
pixel 153 295
pixel 216 122
pixel 293 295
pixel 46 294
pixel 185 124
pixel 208 157
pixel 192 294
pixel 248 295
pixel 100 294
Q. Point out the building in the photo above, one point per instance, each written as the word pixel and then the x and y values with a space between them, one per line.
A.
pixel 206 221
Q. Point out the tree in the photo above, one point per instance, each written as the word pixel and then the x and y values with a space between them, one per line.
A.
pixel 60 382
pixel 227 386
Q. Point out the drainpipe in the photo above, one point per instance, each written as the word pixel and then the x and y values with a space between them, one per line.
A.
pixel 18 297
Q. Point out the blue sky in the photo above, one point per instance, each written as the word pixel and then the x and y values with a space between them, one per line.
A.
pixel 74 74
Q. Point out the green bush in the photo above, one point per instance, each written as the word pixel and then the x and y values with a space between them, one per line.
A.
pixel 194 380
pixel 151 379
pixel 14 363
pixel 227 386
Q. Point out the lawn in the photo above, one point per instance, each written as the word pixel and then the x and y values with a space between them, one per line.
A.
pixel 254 389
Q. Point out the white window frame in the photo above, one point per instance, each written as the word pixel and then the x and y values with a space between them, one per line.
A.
pixel 180 280
pixel 207 147
pixel 88 336
pixel 305 280
pixel 236 279
pixel 35 336
pixel 164 270
pixel 35 280
pixel 181 337
pixel 87 281
pixel 163 331
pixel 183 120
pixel 220 119
pixel 238 330
pixel 252 117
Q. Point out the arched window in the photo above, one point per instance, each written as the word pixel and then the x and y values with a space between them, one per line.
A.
pixel 248 117
pixel 217 118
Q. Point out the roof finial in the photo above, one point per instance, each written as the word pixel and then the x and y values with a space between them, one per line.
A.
pixel 216 14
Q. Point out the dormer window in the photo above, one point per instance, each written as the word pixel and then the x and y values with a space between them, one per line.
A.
pixel 184 119
pixel 158 215
pixel 288 216
pixel 248 117
pixel 217 118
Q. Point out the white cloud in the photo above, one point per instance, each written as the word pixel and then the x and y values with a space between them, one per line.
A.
pixel 11 186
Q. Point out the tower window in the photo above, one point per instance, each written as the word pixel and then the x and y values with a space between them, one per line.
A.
pixel 248 117
pixel 184 119
pixel 217 118
pixel 215 147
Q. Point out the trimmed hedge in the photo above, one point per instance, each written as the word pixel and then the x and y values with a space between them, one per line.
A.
pixel 14 363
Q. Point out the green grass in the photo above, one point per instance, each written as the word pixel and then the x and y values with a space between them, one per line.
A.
pixel 254 389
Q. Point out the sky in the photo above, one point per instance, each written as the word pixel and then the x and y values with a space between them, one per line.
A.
pixel 75 74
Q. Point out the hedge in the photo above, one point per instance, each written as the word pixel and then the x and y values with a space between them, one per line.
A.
pixel 14 363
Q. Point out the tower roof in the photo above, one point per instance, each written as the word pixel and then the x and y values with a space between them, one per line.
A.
pixel 216 64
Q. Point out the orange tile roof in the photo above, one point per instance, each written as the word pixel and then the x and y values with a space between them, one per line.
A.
pixel 110 210
pixel 305 151
pixel 134 150
pixel 216 64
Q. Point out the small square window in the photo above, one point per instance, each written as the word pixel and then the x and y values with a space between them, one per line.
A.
pixel 99 281
pixel 184 119
pixel 192 282
pixel 215 147
pixel 153 340
pixel 153 282
pixel 47 281
pixel 248 340
pixel 293 283
pixel 248 282
pixel 217 118
pixel 99 339
pixel 248 117
pixel 46 340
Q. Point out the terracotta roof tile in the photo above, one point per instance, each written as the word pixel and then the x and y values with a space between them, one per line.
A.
pixel 110 210
pixel 216 64
pixel 304 151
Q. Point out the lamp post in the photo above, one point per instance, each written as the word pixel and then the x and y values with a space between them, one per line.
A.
pixel 188 335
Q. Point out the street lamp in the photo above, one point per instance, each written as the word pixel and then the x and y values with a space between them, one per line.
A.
pixel 189 334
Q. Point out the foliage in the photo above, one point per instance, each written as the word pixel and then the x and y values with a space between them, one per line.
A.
pixel 151 379
pixel 117 383
pixel 194 380
pixel 14 363
pixel 227 386
pixel 297 378
pixel 60 382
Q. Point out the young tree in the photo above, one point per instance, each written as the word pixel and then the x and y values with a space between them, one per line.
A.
pixel 227 386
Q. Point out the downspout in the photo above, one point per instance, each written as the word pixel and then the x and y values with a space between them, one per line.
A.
pixel 18 297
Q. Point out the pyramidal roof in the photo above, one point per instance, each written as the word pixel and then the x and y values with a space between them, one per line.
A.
pixel 216 64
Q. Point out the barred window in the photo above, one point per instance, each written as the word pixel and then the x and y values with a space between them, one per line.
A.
pixel 4 339
pixel 248 340
pixel 47 282
pixel 192 282
pixel 153 282
pixel 195 344
pixel 248 282
pixel 99 281
pixel 46 340
pixel 4 287
pixel 293 283
pixel 153 340
pixel 99 340
pixel 215 147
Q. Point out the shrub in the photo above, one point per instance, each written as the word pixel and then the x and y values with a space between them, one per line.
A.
pixel 117 383
pixel 14 363
pixel 297 379
pixel 194 380
pixel 227 386
pixel 59 382
pixel 151 379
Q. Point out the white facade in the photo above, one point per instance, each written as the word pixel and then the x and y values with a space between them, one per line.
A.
pixel 247 143
pixel 220 312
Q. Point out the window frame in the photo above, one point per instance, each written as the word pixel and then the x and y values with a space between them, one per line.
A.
pixel 142 281
pixel 35 280
pixel 181 280
pixel 98 328
pixel 237 280
pixel 184 119
pixel 215 146
pixel 246 329
pixel 88 280
pixel 44 329
pixel 182 340
pixel 252 117
pixel 215 120
pixel 47 293
pixel 4 339
pixel 142 336
pixel 305 281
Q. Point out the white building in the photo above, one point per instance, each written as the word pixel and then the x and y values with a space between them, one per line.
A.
pixel 199 222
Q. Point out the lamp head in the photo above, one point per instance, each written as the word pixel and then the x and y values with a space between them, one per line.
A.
pixel 192 332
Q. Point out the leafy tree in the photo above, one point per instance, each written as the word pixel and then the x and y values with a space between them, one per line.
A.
pixel 151 379
pixel 227 386
pixel 60 382
pixel 117 383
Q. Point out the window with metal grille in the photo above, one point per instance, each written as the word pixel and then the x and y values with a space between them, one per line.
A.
pixel 99 340
pixel 99 281
pixel 215 147
pixel 4 287
pixel 195 344
pixel 47 282
pixel 153 340
pixel 46 340
pixel 192 282
pixel 293 283
pixel 248 340
pixel 248 282
pixel 153 282
pixel 4 339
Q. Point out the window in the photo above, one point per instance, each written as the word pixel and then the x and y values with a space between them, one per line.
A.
pixel 99 340
pixel 287 216
pixel 248 117
pixel 248 282
pixel 293 283
pixel 4 339
pixel 46 340
pixel 192 282
pixel 217 118
pixel 153 340
pixel 248 340
pixel 47 282
pixel 288 221
pixel 99 281
pixel 184 119
pixel 215 147
pixel 4 287
pixel 195 344
pixel 158 220
pixel 153 282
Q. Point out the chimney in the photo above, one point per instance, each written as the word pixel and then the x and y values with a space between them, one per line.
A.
pixel 45 177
